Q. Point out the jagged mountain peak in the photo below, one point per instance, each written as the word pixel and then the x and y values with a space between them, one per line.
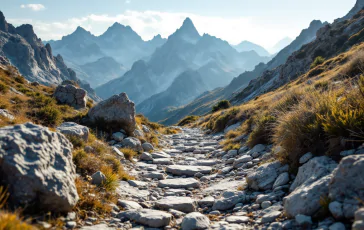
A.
pixel 187 32
pixel 4 25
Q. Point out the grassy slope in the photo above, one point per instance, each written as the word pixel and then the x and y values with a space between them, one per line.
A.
pixel 322 111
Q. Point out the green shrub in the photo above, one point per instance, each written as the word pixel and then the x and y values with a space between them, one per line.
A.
pixel 318 61
pixel 48 116
pixel 222 121
pixel 76 141
pixel 224 104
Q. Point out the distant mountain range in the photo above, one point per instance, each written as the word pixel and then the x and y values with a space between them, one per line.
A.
pixel 280 45
pixel 34 60
pixel 120 44
pixel 204 103
pixel 214 59
pixel 250 46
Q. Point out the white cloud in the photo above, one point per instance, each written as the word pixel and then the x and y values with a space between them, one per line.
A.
pixel 34 7
pixel 150 23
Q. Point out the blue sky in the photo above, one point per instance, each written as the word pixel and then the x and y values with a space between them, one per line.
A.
pixel 264 22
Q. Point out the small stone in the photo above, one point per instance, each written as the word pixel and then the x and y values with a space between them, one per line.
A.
pixel 336 209
pixel 71 224
pixel 118 136
pixel 266 204
pixel 282 179
pixel 147 147
pixel 303 220
pixel 270 217
pixel 146 156
pixel 98 178
pixel 306 157
pixel 337 226
pixel 195 221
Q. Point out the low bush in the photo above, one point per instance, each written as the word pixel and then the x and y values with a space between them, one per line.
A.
pixel 128 153
pixel 318 61
pixel 187 120
pixel 20 79
pixel 48 116
pixel 222 121
pixel 262 132
pixel 224 104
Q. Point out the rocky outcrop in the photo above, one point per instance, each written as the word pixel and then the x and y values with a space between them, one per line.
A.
pixel 117 112
pixel 34 60
pixel 37 166
pixel 71 95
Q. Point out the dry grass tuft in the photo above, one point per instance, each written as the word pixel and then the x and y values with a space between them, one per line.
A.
pixel 129 153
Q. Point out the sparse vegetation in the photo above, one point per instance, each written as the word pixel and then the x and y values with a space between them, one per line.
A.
pixel 129 153
pixel 224 104
pixel 187 120
pixel 3 88
pixel 318 61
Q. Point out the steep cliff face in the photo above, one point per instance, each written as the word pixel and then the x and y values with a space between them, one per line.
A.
pixel 34 60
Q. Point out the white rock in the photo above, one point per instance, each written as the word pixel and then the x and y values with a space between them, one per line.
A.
pixel 229 200
pixel 37 166
pixel 207 201
pixel 5 113
pixel 195 221
pixel 243 159
pixel 132 143
pixel 148 217
pixel 187 170
pixel 163 161
pixel 73 129
pixel 157 155
pixel 237 219
pixel 71 95
pixel 183 204
pixel 179 183
pixel 129 205
pixel 264 176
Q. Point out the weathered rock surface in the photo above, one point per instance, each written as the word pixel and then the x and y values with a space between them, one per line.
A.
pixel 129 205
pixel 264 176
pixel 37 165
pixel 147 147
pixel 71 95
pixel 187 170
pixel 5 113
pixel 74 129
pixel 229 200
pixel 347 184
pixel 179 183
pixel 148 217
pixel 195 221
pixel 132 143
pixel 183 204
pixel 117 111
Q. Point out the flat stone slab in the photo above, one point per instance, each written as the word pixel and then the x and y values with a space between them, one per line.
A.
pixel 125 189
pixel 138 184
pixel 148 217
pixel 224 185
pixel 153 175
pixel 183 204
pixel 97 227
pixel 187 170
pixel 157 155
pixel 206 162
pixel 237 219
pixel 163 161
pixel 179 183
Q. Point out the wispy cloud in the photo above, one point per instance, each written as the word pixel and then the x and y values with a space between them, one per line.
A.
pixel 34 7
pixel 150 23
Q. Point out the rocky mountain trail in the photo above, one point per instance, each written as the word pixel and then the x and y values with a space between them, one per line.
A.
pixel 192 183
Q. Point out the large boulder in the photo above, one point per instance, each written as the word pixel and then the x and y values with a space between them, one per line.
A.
pixel 71 95
pixel 347 184
pixel 264 176
pixel 313 170
pixel 117 112
pixel 36 165
pixel 74 129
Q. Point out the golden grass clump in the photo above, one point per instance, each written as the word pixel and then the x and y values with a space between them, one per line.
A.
pixel 129 154
pixel 187 120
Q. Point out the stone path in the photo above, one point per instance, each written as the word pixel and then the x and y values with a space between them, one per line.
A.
pixel 193 184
